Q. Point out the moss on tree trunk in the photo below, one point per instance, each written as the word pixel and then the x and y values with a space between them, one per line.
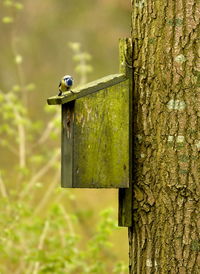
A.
pixel 165 237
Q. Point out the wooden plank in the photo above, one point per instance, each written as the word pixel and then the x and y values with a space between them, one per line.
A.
pixel 67 145
pixel 89 88
pixel 125 211
pixel 101 134
pixel 125 206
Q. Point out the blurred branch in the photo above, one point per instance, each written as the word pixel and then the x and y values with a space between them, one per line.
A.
pixel 48 193
pixel 10 147
pixel 23 263
pixel 83 79
pixel 3 188
pixel 68 219
pixel 41 245
pixel 82 68
pixel 21 78
pixel 62 236
pixel 40 173
pixel 88 231
pixel 21 133
pixel 22 140
pixel 19 70
pixel 50 126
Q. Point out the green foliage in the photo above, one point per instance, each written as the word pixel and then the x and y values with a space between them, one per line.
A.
pixel 40 232
pixel 12 7
pixel 81 58
pixel 50 244
pixel 7 20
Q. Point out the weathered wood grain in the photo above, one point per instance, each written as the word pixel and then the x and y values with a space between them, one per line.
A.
pixel 101 138
pixel 89 88
pixel 125 199
pixel 67 126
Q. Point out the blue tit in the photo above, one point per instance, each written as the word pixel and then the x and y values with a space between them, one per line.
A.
pixel 65 84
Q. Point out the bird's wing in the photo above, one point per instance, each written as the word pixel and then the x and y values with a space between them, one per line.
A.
pixel 59 84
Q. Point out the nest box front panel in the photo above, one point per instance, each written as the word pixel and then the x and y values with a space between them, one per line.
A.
pixel 96 146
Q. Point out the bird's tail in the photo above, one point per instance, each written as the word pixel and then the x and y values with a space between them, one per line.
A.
pixel 60 92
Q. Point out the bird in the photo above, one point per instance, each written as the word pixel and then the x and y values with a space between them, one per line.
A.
pixel 65 84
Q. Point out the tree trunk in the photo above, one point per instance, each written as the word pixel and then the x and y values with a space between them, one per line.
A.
pixel 165 237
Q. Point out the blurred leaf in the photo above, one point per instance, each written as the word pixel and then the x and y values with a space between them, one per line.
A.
pixel 24 170
pixel 120 268
pixel 53 135
pixel 50 109
pixel 1 97
pixel 37 126
pixel 74 46
pixel 83 68
pixel 8 115
pixel 7 20
pixel 82 56
pixel 18 6
pixel 39 185
pixel 87 56
pixel 56 121
pixel 30 87
pixel 16 88
pixel 37 159
pixel 11 96
pixel 18 59
pixel 7 3
pixel 72 197
pixel 3 142
pixel 62 250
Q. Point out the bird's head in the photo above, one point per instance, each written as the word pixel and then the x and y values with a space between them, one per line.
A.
pixel 68 80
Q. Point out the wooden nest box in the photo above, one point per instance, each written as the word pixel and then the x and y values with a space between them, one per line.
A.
pixel 95 134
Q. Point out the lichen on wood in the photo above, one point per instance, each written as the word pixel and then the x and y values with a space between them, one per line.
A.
pixel 166 226
pixel 86 89
pixel 101 138
pixel 95 136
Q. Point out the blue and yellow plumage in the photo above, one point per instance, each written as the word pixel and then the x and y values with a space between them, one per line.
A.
pixel 65 84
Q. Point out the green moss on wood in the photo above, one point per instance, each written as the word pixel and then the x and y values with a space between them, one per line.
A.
pixel 89 88
pixel 101 138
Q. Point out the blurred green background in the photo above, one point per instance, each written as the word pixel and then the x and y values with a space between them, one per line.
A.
pixel 46 229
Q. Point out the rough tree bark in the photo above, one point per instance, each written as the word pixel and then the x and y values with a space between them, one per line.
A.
pixel 165 237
